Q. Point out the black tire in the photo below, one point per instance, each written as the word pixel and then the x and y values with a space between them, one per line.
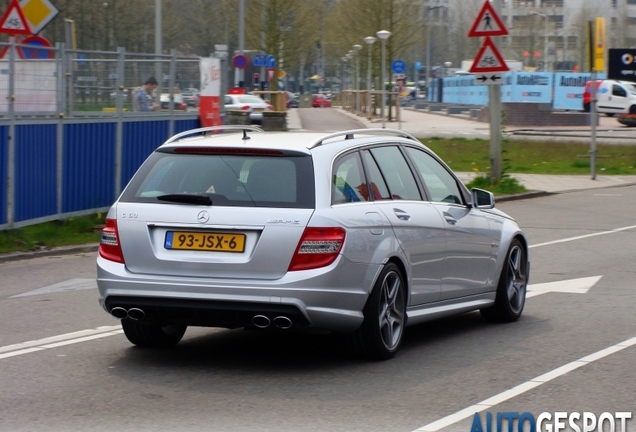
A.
pixel 613 114
pixel 632 109
pixel 380 334
pixel 152 335
pixel 511 289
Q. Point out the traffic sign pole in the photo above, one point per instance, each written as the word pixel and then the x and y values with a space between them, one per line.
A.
pixel 489 60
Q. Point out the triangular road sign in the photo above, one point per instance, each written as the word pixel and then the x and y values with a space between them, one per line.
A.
pixel 487 23
pixel 13 20
pixel 488 59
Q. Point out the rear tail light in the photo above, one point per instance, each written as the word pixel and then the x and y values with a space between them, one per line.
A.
pixel 318 247
pixel 270 107
pixel 245 108
pixel 109 246
pixel 182 106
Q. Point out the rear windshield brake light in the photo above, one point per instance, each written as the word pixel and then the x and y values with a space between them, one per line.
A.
pixel 226 150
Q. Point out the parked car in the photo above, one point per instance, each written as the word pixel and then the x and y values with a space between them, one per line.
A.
pixel 613 97
pixel 191 99
pixel 292 100
pixel 252 103
pixel 178 102
pixel 320 101
pixel 361 232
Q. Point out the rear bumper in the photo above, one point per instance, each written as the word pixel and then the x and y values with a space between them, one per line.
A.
pixel 330 299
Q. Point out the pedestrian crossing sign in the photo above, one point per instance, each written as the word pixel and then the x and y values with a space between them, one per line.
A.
pixel 488 23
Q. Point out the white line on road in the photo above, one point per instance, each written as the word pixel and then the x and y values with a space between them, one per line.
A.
pixel 53 341
pixel 569 239
pixel 524 387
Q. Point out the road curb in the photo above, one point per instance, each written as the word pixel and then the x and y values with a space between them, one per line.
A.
pixel 63 250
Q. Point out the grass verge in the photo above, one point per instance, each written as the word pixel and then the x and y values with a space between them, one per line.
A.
pixel 71 231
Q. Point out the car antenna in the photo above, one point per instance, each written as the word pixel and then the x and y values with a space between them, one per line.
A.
pixel 245 137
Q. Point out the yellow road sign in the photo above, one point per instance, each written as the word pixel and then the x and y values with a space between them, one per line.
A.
pixel 39 13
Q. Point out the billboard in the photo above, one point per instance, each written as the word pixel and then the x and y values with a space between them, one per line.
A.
pixel 622 64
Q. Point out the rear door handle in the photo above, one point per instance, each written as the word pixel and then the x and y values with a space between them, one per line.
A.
pixel 401 214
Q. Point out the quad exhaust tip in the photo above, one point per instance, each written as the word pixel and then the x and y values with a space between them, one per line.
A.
pixel 282 322
pixel 119 312
pixel 132 313
pixel 261 321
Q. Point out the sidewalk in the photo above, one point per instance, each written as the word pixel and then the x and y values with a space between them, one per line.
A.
pixel 422 124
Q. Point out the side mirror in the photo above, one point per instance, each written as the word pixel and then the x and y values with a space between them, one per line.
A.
pixel 482 199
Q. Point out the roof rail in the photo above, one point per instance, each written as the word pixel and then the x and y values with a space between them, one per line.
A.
pixel 349 134
pixel 243 128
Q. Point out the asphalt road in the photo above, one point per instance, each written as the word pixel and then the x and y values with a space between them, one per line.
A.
pixel 56 379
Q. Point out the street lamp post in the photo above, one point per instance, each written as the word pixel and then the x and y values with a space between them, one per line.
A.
pixel 369 41
pixel 383 35
pixel 545 39
pixel 356 50
pixel 428 47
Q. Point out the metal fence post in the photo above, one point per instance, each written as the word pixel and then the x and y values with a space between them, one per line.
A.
pixel 171 82
pixel 119 133
pixel 11 137
pixel 61 103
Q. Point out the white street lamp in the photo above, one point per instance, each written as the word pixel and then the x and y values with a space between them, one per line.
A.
pixel 356 50
pixel 545 39
pixel 383 35
pixel 369 41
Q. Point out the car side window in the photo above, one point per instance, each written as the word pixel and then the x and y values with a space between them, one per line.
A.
pixel 441 185
pixel 379 190
pixel 396 172
pixel 227 100
pixel 349 183
pixel 618 91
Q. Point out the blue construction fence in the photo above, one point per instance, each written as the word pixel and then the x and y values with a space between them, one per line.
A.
pixel 52 169
pixel 564 90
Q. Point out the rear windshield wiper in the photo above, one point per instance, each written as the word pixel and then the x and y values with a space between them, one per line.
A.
pixel 186 198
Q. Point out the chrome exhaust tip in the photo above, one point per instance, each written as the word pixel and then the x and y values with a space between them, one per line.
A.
pixel 261 321
pixel 136 314
pixel 282 322
pixel 119 312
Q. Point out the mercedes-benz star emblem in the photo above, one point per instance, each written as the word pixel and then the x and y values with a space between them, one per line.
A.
pixel 203 217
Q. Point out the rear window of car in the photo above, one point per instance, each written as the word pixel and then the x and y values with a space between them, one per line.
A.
pixel 229 180
pixel 250 99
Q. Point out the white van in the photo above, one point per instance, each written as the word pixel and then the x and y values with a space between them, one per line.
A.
pixel 613 97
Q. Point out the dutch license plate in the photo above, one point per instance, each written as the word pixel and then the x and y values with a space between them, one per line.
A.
pixel 259 109
pixel 214 242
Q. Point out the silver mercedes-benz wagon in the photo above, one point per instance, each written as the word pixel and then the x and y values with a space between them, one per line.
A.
pixel 361 232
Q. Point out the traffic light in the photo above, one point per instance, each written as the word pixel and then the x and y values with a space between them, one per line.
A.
pixel 255 80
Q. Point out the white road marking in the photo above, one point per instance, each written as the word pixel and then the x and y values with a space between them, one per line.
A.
pixel 575 286
pixel 569 239
pixel 65 286
pixel 524 387
pixel 53 341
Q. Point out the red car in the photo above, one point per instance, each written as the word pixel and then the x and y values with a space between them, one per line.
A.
pixel 320 101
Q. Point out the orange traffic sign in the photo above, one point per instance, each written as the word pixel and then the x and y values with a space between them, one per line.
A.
pixel 488 23
pixel 13 20
pixel 488 59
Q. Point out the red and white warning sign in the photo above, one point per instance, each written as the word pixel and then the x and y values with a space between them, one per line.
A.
pixel 13 20
pixel 488 59
pixel 487 23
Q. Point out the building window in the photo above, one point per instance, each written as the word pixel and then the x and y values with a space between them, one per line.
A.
pixel 522 3
pixel 572 42
pixel 631 2
pixel 614 3
pixel 551 3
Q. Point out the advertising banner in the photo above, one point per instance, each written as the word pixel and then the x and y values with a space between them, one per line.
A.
pixel 210 97
pixel 533 87
pixel 569 88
